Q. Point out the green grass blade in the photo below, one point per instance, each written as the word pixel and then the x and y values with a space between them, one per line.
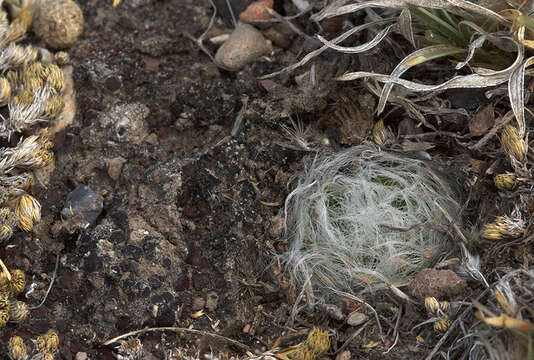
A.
pixel 438 25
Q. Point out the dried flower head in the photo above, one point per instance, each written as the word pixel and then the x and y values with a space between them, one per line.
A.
pixel 442 325
pixel 17 349
pixel 504 227
pixel 513 145
pixel 29 212
pixel 506 181
pixel 18 311
pixel 61 58
pixel 437 308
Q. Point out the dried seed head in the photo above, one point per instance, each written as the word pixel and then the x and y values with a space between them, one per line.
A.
pixel 55 78
pixel 513 145
pixel 445 306
pixel 432 305
pixel 17 349
pixel 317 343
pixel 505 181
pixel 52 341
pixel 18 311
pixel 504 227
pixel 45 157
pixel 6 232
pixel 32 83
pixel 442 325
pixel 29 211
pixel 54 107
pixel 61 58
pixel 381 134
pixel 18 281
pixel 40 343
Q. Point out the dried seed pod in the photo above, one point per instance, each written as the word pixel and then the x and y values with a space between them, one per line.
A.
pixel 59 23
pixel 61 58
pixel 28 209
pixel 17 349
pixel 442 325
pixel 18 311
pixel 40 343
pixel 513 145
pixel 445 306
pixel 504 227
pixel 506 181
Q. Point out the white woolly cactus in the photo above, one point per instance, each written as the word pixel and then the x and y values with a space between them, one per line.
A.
pixel 364 218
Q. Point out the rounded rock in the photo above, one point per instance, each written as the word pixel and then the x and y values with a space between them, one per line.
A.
pixel 59 23
pixel 244 46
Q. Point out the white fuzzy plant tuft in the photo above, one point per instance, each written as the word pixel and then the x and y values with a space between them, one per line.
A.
pixel 364 219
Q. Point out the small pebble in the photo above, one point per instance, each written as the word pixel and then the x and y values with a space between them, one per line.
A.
pixel 245 45
pixel 84 203
pixel 81 356
pixel 257 11
pixel 356 318
pixel 115 167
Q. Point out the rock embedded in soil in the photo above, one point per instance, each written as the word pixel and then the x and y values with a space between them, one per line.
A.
pixel 83 204
pixel 356 318
pixel 245 45
pixel 437 283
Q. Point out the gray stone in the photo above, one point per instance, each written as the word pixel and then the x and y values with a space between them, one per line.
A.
pixel 356 318
pixel 244 46
pixel 84 205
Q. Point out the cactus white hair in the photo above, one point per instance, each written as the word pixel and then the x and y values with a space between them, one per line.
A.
pixel 364 218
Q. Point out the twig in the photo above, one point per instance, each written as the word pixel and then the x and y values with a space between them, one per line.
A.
pixel 54 275
pixel 5 270
pixel 356 333
pixel 177 330
pixel 437 133
pixel 283 18
pixel 395 331
pixel 231 12
pixel 290 24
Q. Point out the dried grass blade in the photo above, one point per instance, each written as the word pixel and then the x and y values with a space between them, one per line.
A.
pixel 361 48
pixel 473 45
pixel 405 26
pixel 417 57
pixel 467 81
pixel 340 9
pixel 516 92
pixel 323 48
